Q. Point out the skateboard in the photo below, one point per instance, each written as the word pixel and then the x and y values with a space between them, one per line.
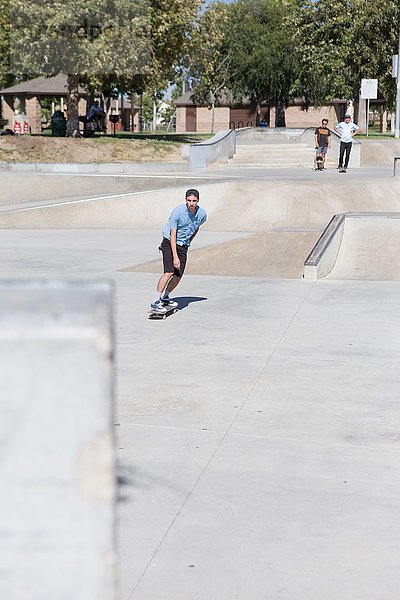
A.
pixel 153 314
pixel 319 163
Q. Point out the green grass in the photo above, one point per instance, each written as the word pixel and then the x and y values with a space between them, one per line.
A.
pixel 376 135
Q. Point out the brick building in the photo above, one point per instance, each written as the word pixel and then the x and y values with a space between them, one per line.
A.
pixel 27 95
pixel 197 118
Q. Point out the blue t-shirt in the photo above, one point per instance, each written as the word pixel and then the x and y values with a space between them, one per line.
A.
pixel 185 223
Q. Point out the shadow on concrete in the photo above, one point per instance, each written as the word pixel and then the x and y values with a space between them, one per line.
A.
pixel 184 301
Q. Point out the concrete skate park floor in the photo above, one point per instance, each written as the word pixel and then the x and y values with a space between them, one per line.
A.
pixel 258 428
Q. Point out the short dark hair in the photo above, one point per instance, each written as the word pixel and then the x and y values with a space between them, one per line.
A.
pixel 192 192
pixel 326 120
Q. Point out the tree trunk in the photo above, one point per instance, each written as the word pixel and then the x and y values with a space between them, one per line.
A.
pixel 267 116
pixel 154 111
pixel 280 118
pixel 360 114
pixel 72 104
pixel 122 113
pixel 133 112
pixel 212 116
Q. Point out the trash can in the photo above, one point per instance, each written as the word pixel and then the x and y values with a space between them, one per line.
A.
pixel 58 124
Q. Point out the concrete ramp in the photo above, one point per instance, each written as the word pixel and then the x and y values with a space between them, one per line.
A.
pixel 357 246
pixel 282 218
pixel 273 155
pixel 249 205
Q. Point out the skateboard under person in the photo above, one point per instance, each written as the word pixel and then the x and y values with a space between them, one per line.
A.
pixel 346 129
pixel 178 233
pixel 322 144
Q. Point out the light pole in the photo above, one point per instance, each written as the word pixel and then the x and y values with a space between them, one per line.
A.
pixel 397 114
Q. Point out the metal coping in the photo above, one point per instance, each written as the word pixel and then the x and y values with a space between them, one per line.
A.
pixel 214 141
pixel 331 229
pixel 324 240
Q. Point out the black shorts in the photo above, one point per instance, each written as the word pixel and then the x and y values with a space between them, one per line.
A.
pixel 168 259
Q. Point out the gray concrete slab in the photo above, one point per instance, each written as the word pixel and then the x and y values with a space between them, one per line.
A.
pixel 369 249
pixel 157 483
pixel 257 428
pixel 306 469
pixel 84 252
pixel 272 519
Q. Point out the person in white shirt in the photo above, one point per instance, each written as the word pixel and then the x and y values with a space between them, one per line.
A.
pixel 346 129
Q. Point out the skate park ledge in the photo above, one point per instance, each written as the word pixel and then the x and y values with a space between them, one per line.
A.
pixel 339 241
pixel 222 146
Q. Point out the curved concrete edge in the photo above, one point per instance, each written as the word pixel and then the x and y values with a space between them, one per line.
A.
pixel 231 206
pixel 323 256
pixel 268 134
pixel 145 209
pixel 221 146
pixel 88 168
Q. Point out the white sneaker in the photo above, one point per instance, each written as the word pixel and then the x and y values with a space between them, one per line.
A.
pixel 158 306
pixel 169 303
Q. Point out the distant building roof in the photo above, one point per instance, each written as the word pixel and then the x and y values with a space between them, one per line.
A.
pixel 41 86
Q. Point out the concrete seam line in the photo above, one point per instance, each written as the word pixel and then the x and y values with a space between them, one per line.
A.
pixel 224 435
pixel 127 175
pixel 90 199
pixel 268 361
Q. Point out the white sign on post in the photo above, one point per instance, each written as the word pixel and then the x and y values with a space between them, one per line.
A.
pixel 395 61
pixel 369 89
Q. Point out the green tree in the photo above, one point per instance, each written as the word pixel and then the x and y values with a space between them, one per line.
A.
pixel 263 59
pixel 375 40
pixel 86 39
pixel 6 75
pixel 170 28
pixel 210 66
pixel 340 42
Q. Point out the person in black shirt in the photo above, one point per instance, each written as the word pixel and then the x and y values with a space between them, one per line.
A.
pixel 322 140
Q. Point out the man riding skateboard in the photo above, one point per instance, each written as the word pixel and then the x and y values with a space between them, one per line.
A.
pixel 178 233
pixel 322 143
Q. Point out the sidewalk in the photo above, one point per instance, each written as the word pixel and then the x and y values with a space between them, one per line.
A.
pixel 258 442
